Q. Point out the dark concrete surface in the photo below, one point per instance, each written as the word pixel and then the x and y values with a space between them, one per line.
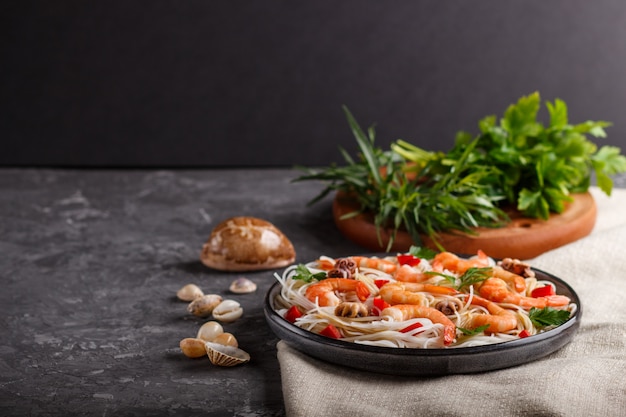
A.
pixel 90 265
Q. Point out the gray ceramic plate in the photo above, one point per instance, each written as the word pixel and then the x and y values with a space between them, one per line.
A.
pixel 427 362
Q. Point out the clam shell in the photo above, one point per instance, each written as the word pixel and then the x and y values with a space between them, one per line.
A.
pixel 247 244
pixel 242 286
pixel 193 348
pixel 209 331
pixel 222 355
pixel 227 311
pixel 204 306
pixel 189 292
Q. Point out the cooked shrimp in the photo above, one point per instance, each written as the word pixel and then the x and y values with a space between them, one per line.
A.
pixel 375 263
pixel 407 273
pixel 499 319
pixel 325 264
pixel 451 262
pixel 409 292
pixel 324 291
pixel 495 289
pixel 516 281
pixel 402 312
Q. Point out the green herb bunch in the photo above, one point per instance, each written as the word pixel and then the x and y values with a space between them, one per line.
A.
pixel 516 161
pixel 427 196
pixel 538 166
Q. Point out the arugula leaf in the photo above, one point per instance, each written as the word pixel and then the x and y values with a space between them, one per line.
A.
pixel 472 332
pixel 303 273
pixel 548 316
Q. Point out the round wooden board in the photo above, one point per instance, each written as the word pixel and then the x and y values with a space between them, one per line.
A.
pixel 522 238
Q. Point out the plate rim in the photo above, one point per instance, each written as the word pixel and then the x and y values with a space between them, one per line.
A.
pixel 564 331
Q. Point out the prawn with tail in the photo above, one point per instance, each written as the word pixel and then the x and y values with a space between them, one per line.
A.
pixel 403 312
pixel 383 265
pixel 451 262
pixel 375 263
pixel 406 273
pixel 499 319
pixel 517 282
pixel 497 290
pixel 409 292
pixel 324 291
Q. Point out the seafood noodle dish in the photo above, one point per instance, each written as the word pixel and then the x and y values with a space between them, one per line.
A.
pixel 420 299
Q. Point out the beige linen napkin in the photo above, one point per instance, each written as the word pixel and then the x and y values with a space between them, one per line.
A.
pixel 585 378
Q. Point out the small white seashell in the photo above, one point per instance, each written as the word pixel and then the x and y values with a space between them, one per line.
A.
pixel 242 286
pixel 209 331
pixel 203 306
pixel 227 311
pixel 223 355
pixel 189 292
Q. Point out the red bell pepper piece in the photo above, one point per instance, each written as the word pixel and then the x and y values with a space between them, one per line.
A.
pixel 379 305
pixel 380 282
pixel 545 291
pixel 411 327
pixel 408 260
pixel 331 331
pixel 292 314
pixel 524 333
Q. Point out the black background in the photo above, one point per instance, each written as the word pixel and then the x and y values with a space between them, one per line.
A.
pixel 261 83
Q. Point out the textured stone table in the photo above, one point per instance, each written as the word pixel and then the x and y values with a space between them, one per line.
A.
pixel 90 263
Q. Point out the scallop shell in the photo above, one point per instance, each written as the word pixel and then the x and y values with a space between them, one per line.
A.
pixel 247 244
pixel 227 311
pixel 242 286
pixel 223 355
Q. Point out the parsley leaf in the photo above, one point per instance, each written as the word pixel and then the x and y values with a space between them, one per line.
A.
pixel 422 252
pixel 303 273
pixel 607 161
pixel 541 165
pixel 548 316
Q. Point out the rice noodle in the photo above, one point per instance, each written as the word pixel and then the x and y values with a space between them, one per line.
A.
pixel 375 330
